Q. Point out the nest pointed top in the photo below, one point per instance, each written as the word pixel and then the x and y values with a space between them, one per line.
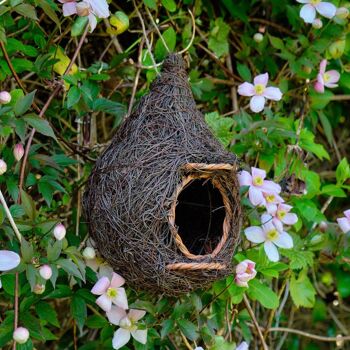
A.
pixel 133 189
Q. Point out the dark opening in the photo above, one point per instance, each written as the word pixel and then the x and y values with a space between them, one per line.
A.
pixel 199 216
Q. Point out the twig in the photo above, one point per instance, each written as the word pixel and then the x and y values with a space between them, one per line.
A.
pixel 188 345
pixel 157 29
pixel 257 327
pixel 193 34
pixel 9 216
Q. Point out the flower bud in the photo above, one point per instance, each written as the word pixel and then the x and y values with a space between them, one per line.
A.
pixel 45 272
pixel 59 232
pixel 83 9
pixel 317 23
pixel 18 151
pixel 3 167
pixel 336 49
pixel 316 239
pixel 21 335
pixel 245 271
pixel 323 226
pixel 5 97
pixel 89 253
pixel 120 21
pixel 39 289
pixel 342 12
pixel 258 37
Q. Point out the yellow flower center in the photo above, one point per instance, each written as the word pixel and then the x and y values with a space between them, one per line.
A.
pixel 272 235
pixel 111 293
pixel 128 324
pixel 259 89
pixel 281 214
pixel 315 2
pixel 258 181
pixel 270 198
pixel 326 77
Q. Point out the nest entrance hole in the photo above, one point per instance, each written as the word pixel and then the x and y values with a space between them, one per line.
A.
pixel 199 216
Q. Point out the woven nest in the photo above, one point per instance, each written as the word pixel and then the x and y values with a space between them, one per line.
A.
pixel 162 201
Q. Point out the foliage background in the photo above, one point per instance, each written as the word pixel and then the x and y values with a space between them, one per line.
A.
pixel 306 134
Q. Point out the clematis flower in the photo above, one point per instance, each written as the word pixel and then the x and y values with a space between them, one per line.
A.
pixel 245 271
pixel 308 11
pixel 270 236
pixel 258 185
pixel 8 260
pixel 328 79
pixel 21 335
pixel 281 215
pixel 344 222
pixel 88 8
pixel 128 326
pixel 259 92
pixel 271 200
pixel 110 292
pixel 243 346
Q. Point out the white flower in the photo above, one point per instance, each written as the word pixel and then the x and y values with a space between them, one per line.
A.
pixel 328 79
pixel 281 215
pixel 5 97
pixel 259 92
pixel 45 272
pixel 245 271
pixel 308 11
pixel 258 185
pixel 59 232
pixel 270 236
pixel 344 222
pixel 21 335
pixel 3 167
pixel 110 292
pixel 128 326
pixel 243 346
pixel 89 253
pixel 8 260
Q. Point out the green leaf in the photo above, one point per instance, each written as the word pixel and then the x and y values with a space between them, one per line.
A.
pixel 41 125
pixel 96 322
pixel 327 127
pixel 167 327
pixel 308 144
pixel 28 205
pixel 151 4
pixel 244 72
pixel 298 258
pixel 47 313
pixel 79 26
pixel 277 43
pixel 31 274
pixel 26 10
pixel 44 4
pixel 27 251
pixel 343 171
pixel 221 344
pixel 70 268
pixel 78 310
pixel 188 329
pixel 302 291
pixel 218 38
pixel 221 127
pixel 333 190
pixel 170 5
pixel 169 37
pixel 54 251
pixel 343 283
pixel 24 103
pixel 263 294
pixel 73 96
pixel 320 101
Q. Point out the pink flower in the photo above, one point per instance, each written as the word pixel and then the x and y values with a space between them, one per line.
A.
pixel 18 151
pixel 21 335
pixel 243 346
pixel 59 231
pixel 88 8
pixel 344 223
pixel 3 167
pixel 245 271
pixel 259 92
pixel 128 326
pixel 257 185
pixel 5 97
pixel 281 215
pixel 110 292
pixel 328 79
pixel 271 200
pixel 270 236
pixel 45 272
pixel 308 11
pixel 8 260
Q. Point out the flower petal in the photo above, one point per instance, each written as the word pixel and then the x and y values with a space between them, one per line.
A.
pixel 100 286
pixel 323 65
pixel 242 267
pixel 261 79
pixel 121 299
pixel 308 13
pixel 344 224
pixel 271 251
pixel 104 302
pixel 284 240
pixel 290 219
pixel 8 260
pixel 272 93
pixel 69 8
pixel 255 234
pixel 303 1
pixel 255 196
pixel 278 224
pixel 135 314
pixel 140 335
pixel 347 213
pixel 326 9
pixel 99 8
pixel 115 314
pixel 120 338
pixel 244 178
pixel 257 103
pixel 319 87
pixel 334 77
pixel 242 346
pixel 92 22
pixel 117 280
pixel 256 172
pixel 270 186
pixel 241 283
pixel 246 89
